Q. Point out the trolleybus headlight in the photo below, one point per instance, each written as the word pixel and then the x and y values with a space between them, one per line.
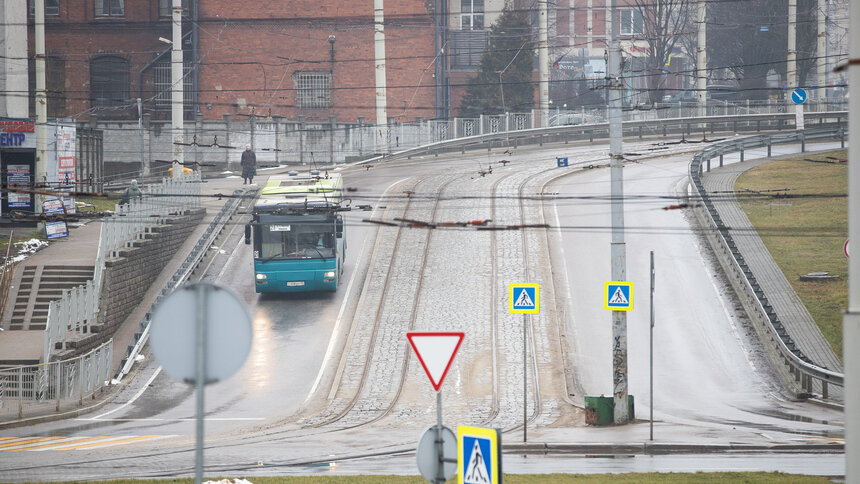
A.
pixel 329 274
pixel 261 277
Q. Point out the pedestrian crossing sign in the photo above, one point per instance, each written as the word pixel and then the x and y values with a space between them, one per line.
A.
pixel 525 298
pixel 478 455
pixel 618 296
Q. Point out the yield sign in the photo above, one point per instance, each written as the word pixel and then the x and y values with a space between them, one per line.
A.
pixel 435 351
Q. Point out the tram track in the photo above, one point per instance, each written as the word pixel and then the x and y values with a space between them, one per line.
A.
pixel 373 400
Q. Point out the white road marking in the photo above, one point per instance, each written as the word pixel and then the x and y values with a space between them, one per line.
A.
pixel 135 397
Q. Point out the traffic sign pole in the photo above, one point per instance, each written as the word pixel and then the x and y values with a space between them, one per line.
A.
pixel 651 351
pixel 525 376
pixel 201 291
pixel 440 450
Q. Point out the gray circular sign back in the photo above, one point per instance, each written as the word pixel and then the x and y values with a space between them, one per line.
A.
pixel 427 454
pixel 174 332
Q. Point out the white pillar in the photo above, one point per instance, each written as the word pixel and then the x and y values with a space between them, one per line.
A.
pixel 13 72
pixel 177 113
pixel 851 319
pixel 618 249
pixel 41 102
pixel 543 64
pixel 701 59
pixel 821 52
pixel 379 54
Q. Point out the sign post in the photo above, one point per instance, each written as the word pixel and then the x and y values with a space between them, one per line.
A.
pixel 798 96
pixel 435 352
pixel 201 334
pixel 525 299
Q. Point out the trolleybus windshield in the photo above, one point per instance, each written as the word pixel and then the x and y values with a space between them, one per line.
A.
pixel 286 241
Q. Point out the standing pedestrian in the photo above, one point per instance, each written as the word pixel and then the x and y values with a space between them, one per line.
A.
pixel 249 165
pixel 130 193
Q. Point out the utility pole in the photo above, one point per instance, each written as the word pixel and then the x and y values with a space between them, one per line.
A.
pixel 701 59
pixel 851 318
pixel 379 54
pixel 41 171
pixel 439 68
pixel 821 62
pixel 177 101
pixel 791 60
pixel 543 63
pixel 618 248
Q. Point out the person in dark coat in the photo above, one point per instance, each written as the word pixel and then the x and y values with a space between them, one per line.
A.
pixel 133 191
pixel 249 165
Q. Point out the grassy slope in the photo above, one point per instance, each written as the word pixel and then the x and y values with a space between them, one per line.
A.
pixel 807 234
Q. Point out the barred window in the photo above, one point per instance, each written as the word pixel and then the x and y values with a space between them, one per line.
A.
pixel 52 8
pixel 110 8
pixel 162 83
pixel 165 8
pixel 313 89
pixel 109 81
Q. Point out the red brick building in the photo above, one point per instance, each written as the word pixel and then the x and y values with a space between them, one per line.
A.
pixel 264 58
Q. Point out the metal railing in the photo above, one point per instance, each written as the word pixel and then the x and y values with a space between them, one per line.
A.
pixel 71 317
pixel 806 372
pixel 183 274
pixel 699 127
pixel 55 386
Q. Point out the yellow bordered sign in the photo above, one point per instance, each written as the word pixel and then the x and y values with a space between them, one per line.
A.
pixel 618 296
pixel 478 455
pixel 524 298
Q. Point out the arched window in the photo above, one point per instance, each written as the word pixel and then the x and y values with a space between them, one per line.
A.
pixel 108 81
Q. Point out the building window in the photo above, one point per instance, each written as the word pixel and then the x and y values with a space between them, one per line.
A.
pixel 165 8
pixel 631 22
pixel 108 82
pixel 313 89
pixel 471 14
pixel 110 8
pixel 52 8
pixel 55 85
pixel 163 81
pixel 467 48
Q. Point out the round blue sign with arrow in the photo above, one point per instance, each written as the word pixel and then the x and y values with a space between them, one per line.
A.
pixel 798 96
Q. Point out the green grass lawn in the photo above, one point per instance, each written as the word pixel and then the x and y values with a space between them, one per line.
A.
pixel 699 477
pixel 805 234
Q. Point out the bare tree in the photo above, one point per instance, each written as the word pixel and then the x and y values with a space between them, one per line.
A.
pixel 664 25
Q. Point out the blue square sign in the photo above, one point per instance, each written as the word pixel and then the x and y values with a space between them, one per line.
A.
pixel 524 298
pixel 618 296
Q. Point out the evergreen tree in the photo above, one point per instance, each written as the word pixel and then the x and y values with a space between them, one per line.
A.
pixel 510 58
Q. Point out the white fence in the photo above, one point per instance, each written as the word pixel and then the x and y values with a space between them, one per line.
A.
pixel 51 387
pixel 71 317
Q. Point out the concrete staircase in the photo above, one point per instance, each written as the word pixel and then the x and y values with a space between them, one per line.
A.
pixel 39 286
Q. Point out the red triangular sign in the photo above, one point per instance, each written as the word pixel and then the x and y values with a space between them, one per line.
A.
pixel 435 351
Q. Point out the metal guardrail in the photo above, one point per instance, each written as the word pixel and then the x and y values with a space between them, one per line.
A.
pixel 72 316
pixel 181 276
pixel 695 126
pixel 50 387
pixel 805 371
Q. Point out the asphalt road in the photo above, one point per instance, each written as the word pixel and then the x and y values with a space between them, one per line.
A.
pixel 712 385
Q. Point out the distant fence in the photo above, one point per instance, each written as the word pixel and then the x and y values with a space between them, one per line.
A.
pixel 71 318
pixel 46 388
pixel 808 377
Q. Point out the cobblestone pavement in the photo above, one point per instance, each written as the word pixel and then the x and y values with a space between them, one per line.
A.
pixel 457 280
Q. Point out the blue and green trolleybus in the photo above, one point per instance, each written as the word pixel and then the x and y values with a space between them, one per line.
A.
pixel 298 236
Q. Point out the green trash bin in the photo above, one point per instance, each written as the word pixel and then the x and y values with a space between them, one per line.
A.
pixel 601 410
pixel 598 410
